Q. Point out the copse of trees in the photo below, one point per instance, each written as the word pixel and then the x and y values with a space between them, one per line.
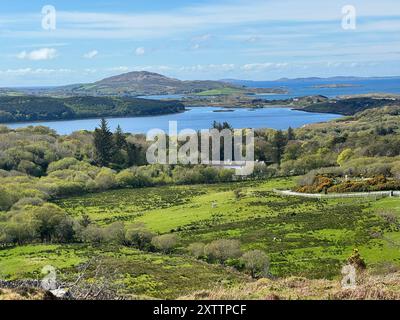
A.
pixel 114 150
pixel 44 223
pixel 39 222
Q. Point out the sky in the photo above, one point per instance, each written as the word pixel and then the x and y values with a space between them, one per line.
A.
pixel 54 42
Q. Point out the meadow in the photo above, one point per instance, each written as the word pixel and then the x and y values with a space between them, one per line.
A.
pixel 303 237
pixel 130 272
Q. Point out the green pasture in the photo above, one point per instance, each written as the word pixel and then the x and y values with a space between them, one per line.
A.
pixel 307 237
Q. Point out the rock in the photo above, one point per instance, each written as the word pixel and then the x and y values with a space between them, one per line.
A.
pixel 61 293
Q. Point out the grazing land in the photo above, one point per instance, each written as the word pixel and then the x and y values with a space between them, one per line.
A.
pixel 305 237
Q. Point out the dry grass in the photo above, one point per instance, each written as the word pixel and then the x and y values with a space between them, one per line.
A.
pixel 295 288
pixel 368 288
pixel 24 293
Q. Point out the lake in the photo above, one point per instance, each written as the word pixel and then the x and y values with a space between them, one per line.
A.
pixel 196 119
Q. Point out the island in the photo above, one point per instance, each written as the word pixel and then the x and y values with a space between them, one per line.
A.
pixel 21 108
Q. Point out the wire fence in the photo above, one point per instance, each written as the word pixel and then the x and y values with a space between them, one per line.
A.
pixel 375 194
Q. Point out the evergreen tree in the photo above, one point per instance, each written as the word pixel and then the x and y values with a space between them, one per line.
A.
pixel 136 154
pixel 220 127
pixel 290 134
pixel 278 142
pixel 119 138
pixel 103 144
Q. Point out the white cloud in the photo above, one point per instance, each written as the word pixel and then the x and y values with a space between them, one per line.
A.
pixel 91 54
pixel 40 54
pixel 208 68
pixel 140 51
pixel 202 38
pixel 119 69
pixel 90 70
pixel 203 17
pixel 256 67
pixel 30 71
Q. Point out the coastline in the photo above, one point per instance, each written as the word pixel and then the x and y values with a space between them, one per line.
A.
pixel 93 118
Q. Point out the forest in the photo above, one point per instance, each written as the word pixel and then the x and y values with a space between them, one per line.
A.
pixel 350 106
pixel 35 108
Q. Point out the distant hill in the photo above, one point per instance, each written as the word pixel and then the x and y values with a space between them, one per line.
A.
pixel 309 79
pixel 140 83
pixel 34 108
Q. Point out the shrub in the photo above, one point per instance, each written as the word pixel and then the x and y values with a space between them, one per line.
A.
pixel 196 249
pixel 18 232
pixel 135 178
pixel 222 250
pixel 27 202
pixel 344 156
pixel 64 231
pixel 62 164
pixel 115 233
pixel 319 184
pixel 136 235
pixel 164 243
pixel 395 170
pixel 225 175
pixel 357 261
pixel 93 234
pixel 52 222
pixel 125 178
pixel 105 179
pixel 6 200
pixel 30 168
pixel 257 262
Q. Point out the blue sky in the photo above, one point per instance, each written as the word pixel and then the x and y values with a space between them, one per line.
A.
pixel 203 39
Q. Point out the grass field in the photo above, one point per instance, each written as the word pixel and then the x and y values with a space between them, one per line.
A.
pixel 221 92
pixel 139 274
pixel 306 237
pixel 302 237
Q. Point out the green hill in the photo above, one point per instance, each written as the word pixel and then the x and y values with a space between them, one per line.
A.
pixel 351 106
pixel 34 108
pixel 140 84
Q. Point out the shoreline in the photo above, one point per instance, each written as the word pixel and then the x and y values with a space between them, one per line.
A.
pixel 92 118
pixel 187 109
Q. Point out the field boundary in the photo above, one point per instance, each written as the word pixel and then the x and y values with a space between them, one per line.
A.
pixel 374 194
